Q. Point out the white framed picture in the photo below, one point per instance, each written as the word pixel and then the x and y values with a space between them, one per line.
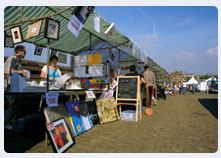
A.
pixel 16 34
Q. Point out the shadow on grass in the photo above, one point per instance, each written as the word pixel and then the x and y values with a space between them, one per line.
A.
pixel 211 105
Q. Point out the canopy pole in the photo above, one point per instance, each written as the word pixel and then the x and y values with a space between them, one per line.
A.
pixel 48 56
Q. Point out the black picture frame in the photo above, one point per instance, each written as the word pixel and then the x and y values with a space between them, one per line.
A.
pixel 8 42
pixel 83 12
pixel 16 34
pixel 53 52
pixel 59 135
pixel 38 50
pixel 52 28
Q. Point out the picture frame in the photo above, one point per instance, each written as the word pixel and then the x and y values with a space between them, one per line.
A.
pixel 38 50
pixel 34 29
pixel 16 34
pixel 83 12
pixel 62 58
pixel 52 28
pixel 8 43
pixel 53 52
pixel 59 135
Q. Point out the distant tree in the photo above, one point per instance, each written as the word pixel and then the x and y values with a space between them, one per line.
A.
pixel 187 78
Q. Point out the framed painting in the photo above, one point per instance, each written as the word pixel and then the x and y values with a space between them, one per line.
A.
pixel 34 29
pixel 8 43
pixel 38 50
pixel 52 29
pixel 59 135
pixel 16 34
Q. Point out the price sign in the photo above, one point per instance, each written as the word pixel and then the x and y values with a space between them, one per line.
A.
pixel 113 84
pixel 90 94
pixel 52 99
pixel 50 126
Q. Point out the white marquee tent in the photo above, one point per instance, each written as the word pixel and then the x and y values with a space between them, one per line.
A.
pixel 192 81
pixel 203 84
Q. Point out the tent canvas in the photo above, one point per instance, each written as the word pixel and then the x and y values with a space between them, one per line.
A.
pixel 192 81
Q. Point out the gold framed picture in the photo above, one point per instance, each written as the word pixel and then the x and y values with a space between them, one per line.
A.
pixel 34 29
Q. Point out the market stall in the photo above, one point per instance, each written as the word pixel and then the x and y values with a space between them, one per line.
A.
pixel 95 52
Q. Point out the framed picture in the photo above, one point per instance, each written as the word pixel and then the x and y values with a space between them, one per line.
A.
pixel 59 135
pixel 62 58
pixel 16 34
pixel 38 50
pixel 34 29
pixel 83 12
pixel 52 29
pixel 79 116
pixel 53 52
pixel 8 42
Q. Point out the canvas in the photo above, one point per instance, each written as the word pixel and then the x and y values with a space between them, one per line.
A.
pixel 54 113
pixel 107 110
pixel 79 116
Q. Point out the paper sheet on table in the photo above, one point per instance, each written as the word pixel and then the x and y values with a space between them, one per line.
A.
pixel 60 81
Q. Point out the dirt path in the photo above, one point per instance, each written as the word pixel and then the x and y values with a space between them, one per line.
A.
pixel 181 124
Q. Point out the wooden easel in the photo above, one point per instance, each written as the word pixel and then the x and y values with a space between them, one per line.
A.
pixel 137 99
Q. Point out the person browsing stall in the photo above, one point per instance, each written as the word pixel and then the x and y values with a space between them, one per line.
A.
pixel 150 81
pixel 134 73
pixel 54 71
pixel 14 63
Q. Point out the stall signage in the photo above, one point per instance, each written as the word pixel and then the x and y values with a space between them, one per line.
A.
pixel 52 99
pixel 50 126
pixel 90 94
pixel 127 87
pixel 113 84
pixel 75 25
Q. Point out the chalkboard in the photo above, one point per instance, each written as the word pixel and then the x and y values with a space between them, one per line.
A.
pixel 127 88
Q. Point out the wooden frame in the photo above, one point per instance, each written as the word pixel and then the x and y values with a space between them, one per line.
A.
pixel 59 135
pixel 38 50
pixel 16 34
pixel 34 29
pixel 52 28
pixel 137 99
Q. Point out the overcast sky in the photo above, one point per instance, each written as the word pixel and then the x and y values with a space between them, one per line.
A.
pixel 177 38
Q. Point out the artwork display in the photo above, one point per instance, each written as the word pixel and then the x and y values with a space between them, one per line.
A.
pixel 34 29
pixel 38 50
pixel 52 29
pixel 80 72
pixel 53 113
pixel 79 116
pixel 53 52
pixel 83 12
pixel 59 135
pixel 107 110
pixel 8 43
pixel 62 58
pixel 96 70
pixel 16 34
pixel 80 60
pixel 95 59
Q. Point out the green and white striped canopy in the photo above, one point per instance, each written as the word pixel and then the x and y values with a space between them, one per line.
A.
pixel 24 16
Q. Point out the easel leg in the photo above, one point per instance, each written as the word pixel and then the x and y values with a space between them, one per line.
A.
pixel 140 111
pixel 136 112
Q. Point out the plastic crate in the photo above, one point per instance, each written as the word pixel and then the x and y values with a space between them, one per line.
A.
pixel 128 115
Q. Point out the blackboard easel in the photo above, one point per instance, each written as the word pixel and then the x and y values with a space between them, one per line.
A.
pixel 128 92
